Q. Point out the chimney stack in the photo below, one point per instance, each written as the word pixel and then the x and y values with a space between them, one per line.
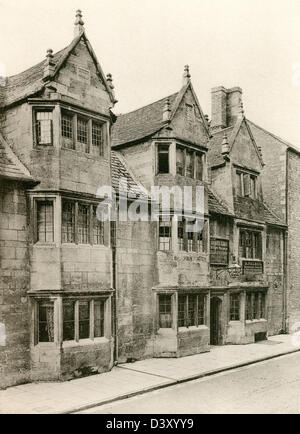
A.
pixel 79 23
pixel 226 107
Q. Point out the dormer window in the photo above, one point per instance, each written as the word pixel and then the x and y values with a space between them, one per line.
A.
pixel 163 158
pixel 246 184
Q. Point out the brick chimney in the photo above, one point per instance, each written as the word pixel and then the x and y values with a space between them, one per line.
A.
pixel 226 107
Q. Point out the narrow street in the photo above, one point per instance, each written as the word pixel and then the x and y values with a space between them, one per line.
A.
pixel 267 387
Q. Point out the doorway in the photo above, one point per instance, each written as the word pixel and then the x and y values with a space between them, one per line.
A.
pixel 215 327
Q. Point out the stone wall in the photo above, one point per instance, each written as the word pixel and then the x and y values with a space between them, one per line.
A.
pixel 14 284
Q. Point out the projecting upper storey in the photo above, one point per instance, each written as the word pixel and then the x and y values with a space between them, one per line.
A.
pixel 234 159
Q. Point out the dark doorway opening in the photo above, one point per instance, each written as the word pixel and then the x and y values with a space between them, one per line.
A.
pixel 215 327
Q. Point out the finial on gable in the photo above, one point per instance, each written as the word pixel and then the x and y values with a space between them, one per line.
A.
pixel 241 112
pixel 109 80
pixel 49 65
pixel 186 75
pixel 79 24
pixel 167 110
pixel 225 145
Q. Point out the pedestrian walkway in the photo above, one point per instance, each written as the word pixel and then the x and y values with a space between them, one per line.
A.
pixel 134 378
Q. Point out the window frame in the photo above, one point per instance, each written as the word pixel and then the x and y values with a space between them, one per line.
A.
pixel 166 223
pixel 186 298
pixel 36 110
pixel 234 306
pixel 158 152
pixel 36 201
pixel 91 301
pixel 250 243
pixel 247 183
pixel 258 304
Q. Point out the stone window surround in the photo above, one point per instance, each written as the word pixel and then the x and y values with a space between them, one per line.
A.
pixel 35 110
pixel 173 144
pixel 241 172
pixel 242 296
pixel 57 300
pixel 174 293
pixel 57 107
pixel 57 199
pixel 174 244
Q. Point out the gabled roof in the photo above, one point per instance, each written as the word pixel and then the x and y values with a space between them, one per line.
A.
pixel 214 155
pixel 30 82
pixel 140 123
pixel 10 166
pixel 120 171
pixel 148 120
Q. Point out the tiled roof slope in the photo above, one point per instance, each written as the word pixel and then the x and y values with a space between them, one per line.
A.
pixel 10 166
pixel 27 82
pixel 214 154
pixel 215 205
pixel 119 170
pixel 140 123
pixel 271 218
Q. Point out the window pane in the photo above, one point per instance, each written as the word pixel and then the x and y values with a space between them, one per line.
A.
pixel 45 222
pixel 98 228
pixel 69 321
pixel 249 306
pixel 180 161
pixel 165 311
pixel 83 224
pixel 189 164
pixel 192 310
pixel 163 159
pixel 82 133
pixel 181 311
pixel 44 127
pixel 199 167
pixel 67 130
pixel 99 318
pixel 97 138
pixel 201 310
pixel 164 235
pixel 234 307
pixel 68 222
pixel 84 320
pixel 46 321
pixel 180 230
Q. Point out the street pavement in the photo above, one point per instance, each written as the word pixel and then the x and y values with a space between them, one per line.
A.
pixel 141 377
pixel 271 387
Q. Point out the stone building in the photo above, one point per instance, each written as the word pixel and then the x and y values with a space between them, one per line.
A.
pixel 79 294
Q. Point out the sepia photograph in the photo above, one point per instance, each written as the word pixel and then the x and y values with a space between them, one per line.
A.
pixel 150 210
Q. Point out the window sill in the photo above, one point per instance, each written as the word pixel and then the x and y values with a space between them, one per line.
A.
pixel 254 321
pixel 192 328
pixel 41 244
pixel 85 342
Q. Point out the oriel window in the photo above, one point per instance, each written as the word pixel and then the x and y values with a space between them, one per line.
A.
pixel 44 127
pixel 163 158
pixel 45 221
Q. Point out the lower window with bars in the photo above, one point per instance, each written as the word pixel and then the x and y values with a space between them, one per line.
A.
pixel 191 310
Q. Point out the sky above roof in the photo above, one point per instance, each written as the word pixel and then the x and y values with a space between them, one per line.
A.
pixel 145 44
